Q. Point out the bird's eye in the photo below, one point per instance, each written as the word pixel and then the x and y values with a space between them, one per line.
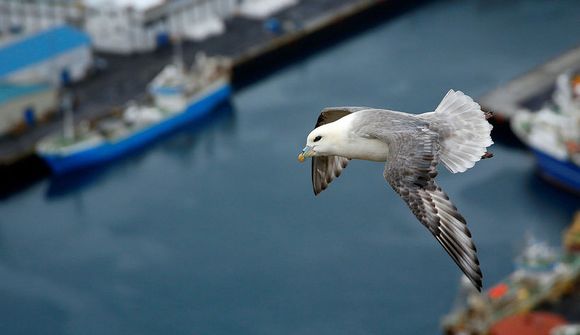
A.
pixel 317 138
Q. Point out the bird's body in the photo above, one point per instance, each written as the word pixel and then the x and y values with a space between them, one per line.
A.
pixel 455 134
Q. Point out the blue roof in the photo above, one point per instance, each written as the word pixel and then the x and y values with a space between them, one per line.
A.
pixel 40 47
pixel 9 91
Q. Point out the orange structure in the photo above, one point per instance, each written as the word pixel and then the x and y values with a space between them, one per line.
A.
pixel 536 323
pixel 498 291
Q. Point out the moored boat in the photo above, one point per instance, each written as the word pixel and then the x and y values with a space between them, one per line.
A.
pixel 541 274
pixel 176 97
pixel 553 133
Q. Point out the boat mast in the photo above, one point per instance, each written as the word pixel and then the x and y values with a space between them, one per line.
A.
pixel 178 42
pixel 68 119
pixel 178 52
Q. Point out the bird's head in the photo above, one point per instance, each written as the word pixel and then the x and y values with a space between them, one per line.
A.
pixel 320 142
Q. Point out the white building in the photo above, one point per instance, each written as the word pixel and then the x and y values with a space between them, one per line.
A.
pixel 35 15
pixel 120 26
pixel 129 26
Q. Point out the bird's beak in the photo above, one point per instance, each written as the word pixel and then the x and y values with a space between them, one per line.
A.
pixel 306 152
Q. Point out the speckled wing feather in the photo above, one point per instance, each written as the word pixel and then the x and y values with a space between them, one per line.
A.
pixel 326 168
pixel 410 170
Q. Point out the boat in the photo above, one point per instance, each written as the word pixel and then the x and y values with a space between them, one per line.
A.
pixel 534 323
pixel 572 235
pixel 176 96
pixel 570 329
pixel 536 257
pixel 541 273
pixel 553 133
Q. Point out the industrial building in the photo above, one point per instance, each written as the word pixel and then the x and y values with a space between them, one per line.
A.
pixel 22 106
pixel 18 16
pixel 130 26
pixel 57 55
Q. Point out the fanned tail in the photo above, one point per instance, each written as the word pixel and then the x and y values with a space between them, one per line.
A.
pixel 467 133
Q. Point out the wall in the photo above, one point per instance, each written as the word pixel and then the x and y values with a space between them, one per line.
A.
pixel 12 112
pixel 118 31
pixel 124 31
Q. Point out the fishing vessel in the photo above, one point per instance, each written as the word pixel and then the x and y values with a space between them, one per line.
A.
pixel 553 133
pixel 176 96
pixel 541 274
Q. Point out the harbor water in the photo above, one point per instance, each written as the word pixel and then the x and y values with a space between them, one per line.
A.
pixel 215 229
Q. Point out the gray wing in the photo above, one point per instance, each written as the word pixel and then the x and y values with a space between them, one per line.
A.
pixel 410 170
pixel 326 168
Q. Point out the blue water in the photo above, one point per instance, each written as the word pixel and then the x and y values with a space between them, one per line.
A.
pixel 216 230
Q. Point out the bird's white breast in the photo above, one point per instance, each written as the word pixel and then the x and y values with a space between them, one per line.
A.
pixel 367 149
pixel 353 146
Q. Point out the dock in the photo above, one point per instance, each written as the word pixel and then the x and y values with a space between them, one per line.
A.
pixel 254 50
pixel 530 90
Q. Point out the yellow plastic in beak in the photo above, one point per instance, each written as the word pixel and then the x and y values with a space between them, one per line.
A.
pixel 306 152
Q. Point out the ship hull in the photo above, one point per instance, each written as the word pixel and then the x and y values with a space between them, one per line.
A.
pixel 563 173
pixel 108 151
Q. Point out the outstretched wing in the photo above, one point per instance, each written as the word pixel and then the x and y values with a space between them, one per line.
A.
pixel 326 168
pixel 410 170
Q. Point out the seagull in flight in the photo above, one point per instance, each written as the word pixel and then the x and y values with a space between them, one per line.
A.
pixel 456 134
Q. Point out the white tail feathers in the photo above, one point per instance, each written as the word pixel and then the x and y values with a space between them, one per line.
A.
pixel 469 133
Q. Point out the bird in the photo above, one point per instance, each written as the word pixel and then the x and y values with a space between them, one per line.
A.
pixel 456 134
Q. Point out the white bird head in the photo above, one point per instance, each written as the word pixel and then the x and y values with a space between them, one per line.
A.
pixel 323 141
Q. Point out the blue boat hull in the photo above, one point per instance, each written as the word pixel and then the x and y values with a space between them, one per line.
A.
pixel 112 150
pixel 563 173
